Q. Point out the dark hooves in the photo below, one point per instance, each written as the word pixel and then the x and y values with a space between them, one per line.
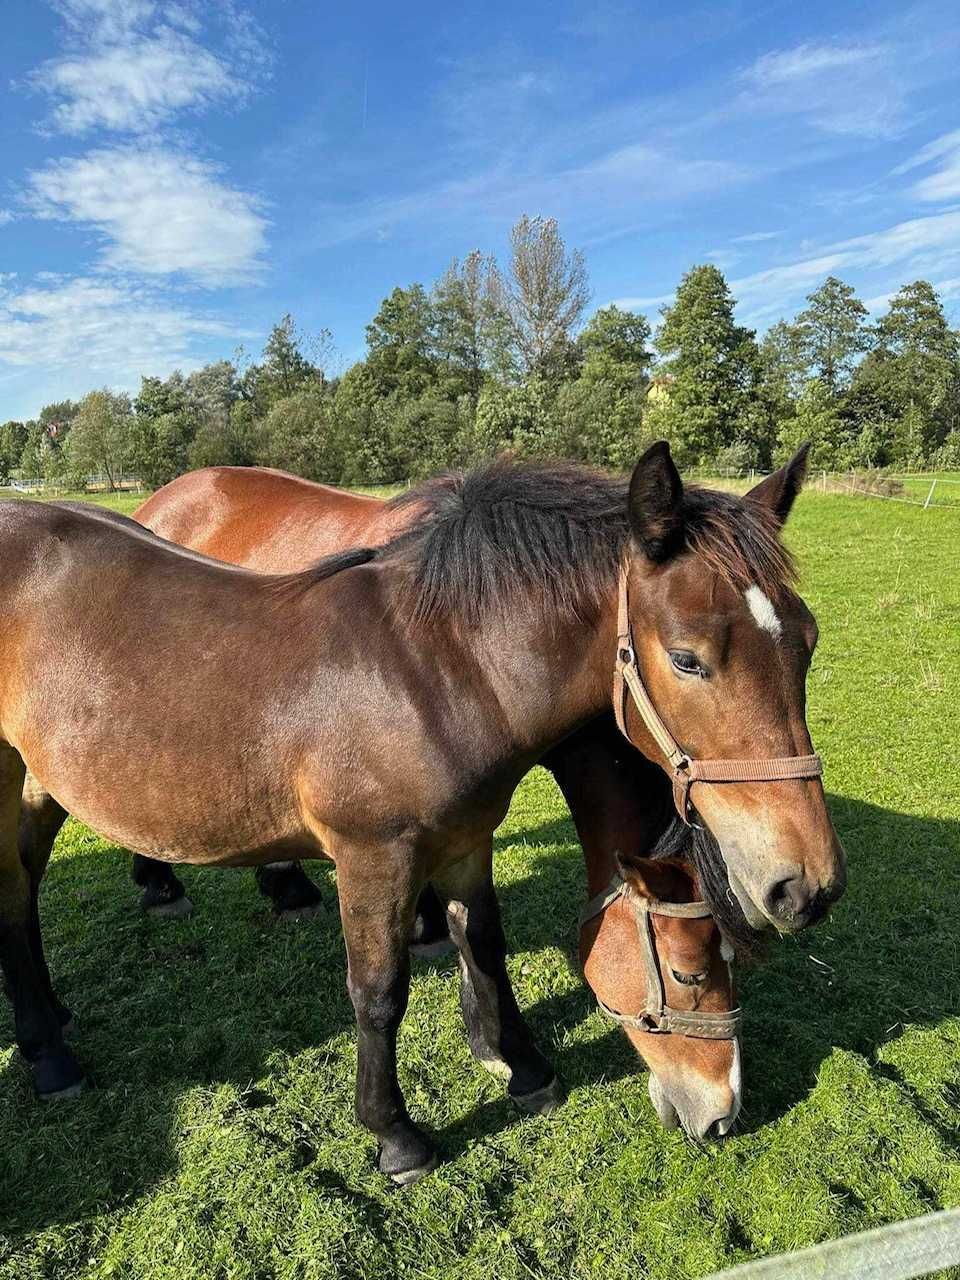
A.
pixel 57 1076
pixel 300 913
pixel 406 1157
pixel 178 909
pixel 542 1101
pixel 409 1176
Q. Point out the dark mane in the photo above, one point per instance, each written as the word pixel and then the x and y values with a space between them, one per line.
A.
pixel 698 845
pixel 556 533
pixel 287 586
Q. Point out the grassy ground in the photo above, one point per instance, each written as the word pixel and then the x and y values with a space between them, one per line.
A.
pixel 218 1140
pixel 126 503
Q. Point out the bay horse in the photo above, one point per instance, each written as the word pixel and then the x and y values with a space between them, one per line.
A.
pixel 273 722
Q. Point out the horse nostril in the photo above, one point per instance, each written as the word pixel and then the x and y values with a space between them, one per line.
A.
pixel 788 898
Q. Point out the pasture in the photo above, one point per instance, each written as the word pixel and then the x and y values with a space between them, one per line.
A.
pixel 219 1141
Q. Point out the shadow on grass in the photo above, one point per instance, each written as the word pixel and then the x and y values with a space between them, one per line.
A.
pixel 166 1005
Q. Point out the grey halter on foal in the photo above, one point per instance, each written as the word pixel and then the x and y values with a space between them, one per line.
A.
pixel 658 1016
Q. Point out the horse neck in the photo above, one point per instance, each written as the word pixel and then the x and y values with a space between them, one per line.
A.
pixel 550 676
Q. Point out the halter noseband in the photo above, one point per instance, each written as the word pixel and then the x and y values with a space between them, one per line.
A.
pixel 657 1016
pixel 686 770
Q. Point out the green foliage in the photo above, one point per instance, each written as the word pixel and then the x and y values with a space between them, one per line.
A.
pixel 832 332
pixel 713 364
pixel 299 434
pixel 100 439
pixel 13 436
pixel 400 339
pixel 818 420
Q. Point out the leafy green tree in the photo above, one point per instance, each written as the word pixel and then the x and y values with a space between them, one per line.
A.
pixel 33 452
pixel 614 348
pixel 712 365
pixel 833 332
pixel 56 420
pixel 465 323
pixel 226 439
pixel 818 420
pixel 917 367
pixel 400 342
pixel 13 436
pixel 299 435
pixel 100 439
pixel 364 426
pixel 162 430
pixel 428 434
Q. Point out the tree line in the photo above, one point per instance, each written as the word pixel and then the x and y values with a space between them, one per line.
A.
pixel 495 358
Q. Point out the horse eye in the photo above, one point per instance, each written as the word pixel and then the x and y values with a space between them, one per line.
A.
pixel 690 979
pixel 686 662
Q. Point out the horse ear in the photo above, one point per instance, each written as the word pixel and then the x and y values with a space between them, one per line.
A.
pixel 778 491
pixel 658 879
pixel 656 493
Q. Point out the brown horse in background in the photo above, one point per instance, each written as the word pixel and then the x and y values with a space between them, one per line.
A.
pixel 294 713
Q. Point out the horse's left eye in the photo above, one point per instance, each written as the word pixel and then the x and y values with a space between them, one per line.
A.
pixel 686 662
pixel 690 979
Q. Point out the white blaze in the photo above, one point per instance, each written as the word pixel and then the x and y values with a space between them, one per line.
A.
pixel 765 615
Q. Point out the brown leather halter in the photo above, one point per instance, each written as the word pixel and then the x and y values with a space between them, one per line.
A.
pixel 686 770
pixel 657 1016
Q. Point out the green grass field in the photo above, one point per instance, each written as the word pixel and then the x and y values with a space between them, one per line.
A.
pixel 219 1141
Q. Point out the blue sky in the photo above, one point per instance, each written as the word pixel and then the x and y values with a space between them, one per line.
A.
pixel 175 176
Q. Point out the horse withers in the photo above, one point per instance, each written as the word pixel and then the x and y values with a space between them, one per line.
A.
pixel 274 724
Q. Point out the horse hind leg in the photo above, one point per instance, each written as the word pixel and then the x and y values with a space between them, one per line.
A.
pixel 56 1073
pixel 163 893
pixel 290 889
pixel 499 1037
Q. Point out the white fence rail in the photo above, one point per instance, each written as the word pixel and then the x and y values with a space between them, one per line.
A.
pixel 899 1251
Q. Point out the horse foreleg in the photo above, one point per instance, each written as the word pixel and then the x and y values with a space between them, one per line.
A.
pixel 56 1073
pixel 378 895
pixel 499 1037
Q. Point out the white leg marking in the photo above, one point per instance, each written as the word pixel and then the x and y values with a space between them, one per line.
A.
pixel 763 611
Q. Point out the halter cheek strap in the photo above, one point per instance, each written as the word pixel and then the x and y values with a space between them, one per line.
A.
pixel 657 1016
pixel 686 770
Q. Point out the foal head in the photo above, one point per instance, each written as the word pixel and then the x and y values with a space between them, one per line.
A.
pixel 694 1081
pixel 723 644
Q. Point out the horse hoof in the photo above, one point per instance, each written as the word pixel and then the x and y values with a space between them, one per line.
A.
pixel 178 909
pixel 542 1101
pixel 63 1095
pixel 57 1076
pixel 409 1176
pixel 440 947
pixel 300 913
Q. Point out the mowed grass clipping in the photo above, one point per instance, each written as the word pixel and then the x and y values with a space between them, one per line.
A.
pixel 219 1141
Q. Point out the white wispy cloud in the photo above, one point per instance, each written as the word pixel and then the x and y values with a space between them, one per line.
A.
pixel 944 182
pixel 60 336
pixel 594 199
pixel 808 60
pixel 850 88
pixel 158 212
pixel 754 237
pixel 6 215
pixel 916 247
pixel 135 86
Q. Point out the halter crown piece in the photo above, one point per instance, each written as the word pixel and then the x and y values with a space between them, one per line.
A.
pixel 657 1016
pixel 686 770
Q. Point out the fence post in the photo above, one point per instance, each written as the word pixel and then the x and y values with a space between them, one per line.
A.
pixel 930 494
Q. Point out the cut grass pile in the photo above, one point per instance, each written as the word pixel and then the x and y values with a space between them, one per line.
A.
pixel 219 1141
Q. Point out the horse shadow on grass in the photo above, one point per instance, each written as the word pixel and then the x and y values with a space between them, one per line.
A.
pixel 170 1005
